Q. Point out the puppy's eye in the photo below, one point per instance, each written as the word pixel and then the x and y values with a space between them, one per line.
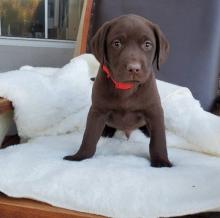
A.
pixel 116 44
pixel 147 45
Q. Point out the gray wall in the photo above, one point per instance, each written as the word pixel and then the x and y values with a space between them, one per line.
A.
pixel 13 57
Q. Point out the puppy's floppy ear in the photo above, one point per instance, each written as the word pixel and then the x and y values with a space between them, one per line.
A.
pixel 162 46
pixel 98 43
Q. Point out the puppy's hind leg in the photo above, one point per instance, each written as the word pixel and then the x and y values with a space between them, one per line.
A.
pixel 108 131
pixel 144 130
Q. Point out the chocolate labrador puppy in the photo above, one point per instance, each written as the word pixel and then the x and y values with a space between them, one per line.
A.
pixel 125 94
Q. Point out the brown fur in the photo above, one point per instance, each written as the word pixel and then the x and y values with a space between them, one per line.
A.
pixel 121 45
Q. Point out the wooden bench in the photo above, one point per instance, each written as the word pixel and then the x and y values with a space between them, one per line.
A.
pixel 5 106
pixel 25 208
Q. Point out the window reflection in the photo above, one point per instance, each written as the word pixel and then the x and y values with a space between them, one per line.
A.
pixel 21 18
pixel 63 18
pixel 26 18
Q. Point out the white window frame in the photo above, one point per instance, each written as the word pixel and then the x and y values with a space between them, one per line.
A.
pixel 33 42
pixel 46 18
pixel 37 42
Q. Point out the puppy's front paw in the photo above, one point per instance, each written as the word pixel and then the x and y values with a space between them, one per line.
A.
pixel 161 163
pixel 71 158
pixel 77 157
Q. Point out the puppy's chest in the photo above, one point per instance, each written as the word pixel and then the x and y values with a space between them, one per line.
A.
pixel 125 120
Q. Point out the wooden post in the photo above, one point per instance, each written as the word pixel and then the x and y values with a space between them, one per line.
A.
pixel 83 28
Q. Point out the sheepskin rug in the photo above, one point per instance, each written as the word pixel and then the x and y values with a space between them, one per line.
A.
pixel 51 106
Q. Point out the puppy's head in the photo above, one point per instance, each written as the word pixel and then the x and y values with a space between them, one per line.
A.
pixel 130 45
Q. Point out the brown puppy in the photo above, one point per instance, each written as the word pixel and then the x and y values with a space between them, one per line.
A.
pixel 124 93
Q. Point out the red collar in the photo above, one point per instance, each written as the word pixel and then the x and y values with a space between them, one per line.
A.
pixel 118 85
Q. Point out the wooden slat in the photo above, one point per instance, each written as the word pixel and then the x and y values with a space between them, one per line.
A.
pixel 86 25
pixel 25 208
pixel 83 30
pixel 5 105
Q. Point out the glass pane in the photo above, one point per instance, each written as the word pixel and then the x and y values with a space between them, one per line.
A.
pixel 22 18
pixel 64 18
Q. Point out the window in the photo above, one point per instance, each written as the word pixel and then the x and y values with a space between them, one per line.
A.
pixel 41 19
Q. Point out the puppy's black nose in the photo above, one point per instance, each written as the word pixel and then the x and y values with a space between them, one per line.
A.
pixel 134 68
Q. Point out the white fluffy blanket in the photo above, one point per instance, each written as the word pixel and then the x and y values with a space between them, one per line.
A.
pixel 51 106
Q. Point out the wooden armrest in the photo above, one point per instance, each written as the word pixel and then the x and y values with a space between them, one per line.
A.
pixel 25 208
pixel 5 105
